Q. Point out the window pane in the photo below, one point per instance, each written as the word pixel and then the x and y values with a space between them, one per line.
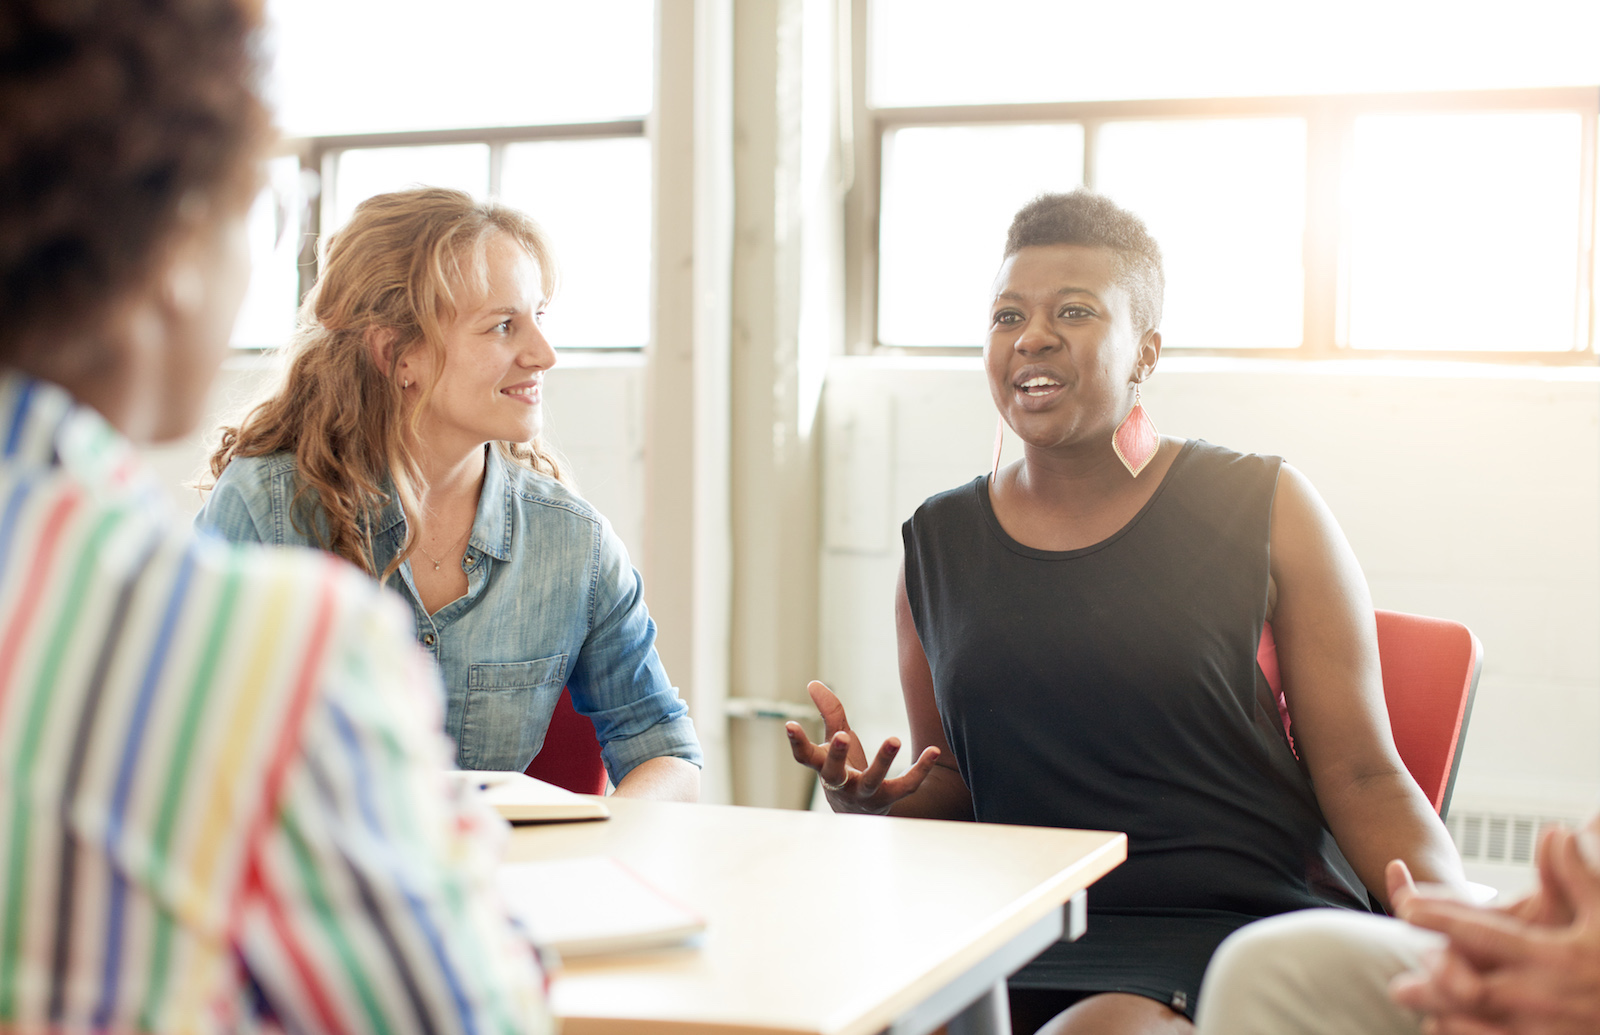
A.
pixel 356 66
pixel 958 52
pixel 359 174
pixel 266 319
pixel 1463 232
pixel 593 198
pixel 1225 199
pixel 949 193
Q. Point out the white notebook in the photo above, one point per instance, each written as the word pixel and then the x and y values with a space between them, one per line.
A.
pixel 594 905
pixel 522 799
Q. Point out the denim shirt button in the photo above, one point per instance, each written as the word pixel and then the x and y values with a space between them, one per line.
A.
pixel 469 561
pixel 427 639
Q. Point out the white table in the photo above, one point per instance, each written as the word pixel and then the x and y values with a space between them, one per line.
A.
pixel 824 925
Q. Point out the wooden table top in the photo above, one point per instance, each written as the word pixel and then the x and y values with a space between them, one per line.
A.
pixel 816 923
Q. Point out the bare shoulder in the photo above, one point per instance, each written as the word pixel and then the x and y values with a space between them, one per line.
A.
pixel 1300 516
pixel 1314 570
pixel 1295 488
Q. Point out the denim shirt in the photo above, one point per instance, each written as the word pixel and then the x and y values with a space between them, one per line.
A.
pixel 551 601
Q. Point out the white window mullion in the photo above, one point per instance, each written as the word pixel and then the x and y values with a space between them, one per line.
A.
pixel 1327 138
pixel 1587 214
pixel 497 160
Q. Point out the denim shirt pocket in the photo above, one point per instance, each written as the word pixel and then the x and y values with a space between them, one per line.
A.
pixel 507 712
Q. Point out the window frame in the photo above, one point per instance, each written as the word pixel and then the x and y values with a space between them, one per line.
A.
pixel 1329 122
pixel 319 155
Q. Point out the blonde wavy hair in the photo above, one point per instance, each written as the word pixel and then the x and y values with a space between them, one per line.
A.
pixel 401 267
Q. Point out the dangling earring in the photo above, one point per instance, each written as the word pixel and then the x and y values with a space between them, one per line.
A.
pixel 1136 438
pixel 999 440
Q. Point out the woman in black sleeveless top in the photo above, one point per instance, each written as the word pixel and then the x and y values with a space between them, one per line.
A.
pixel 1078 644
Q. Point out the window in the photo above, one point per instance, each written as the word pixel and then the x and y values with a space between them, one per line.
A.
pixel 356 174
pixel 593 198
pixel 1300 213
pixel 481 100
pixel 1226 200
pixel 1433 262
pixel 953 171
pixel 267 315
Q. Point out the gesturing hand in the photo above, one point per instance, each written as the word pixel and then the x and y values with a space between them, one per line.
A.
pixel 849 782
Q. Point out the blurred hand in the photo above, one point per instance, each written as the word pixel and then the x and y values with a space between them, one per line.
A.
pixel 850 784
pixel 1506 972
pixel 1404 892
pixel 1547 905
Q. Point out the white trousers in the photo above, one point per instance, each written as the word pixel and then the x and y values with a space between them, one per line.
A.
pixel 1317 972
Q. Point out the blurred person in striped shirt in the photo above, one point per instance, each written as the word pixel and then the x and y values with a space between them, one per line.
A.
pixel 222 797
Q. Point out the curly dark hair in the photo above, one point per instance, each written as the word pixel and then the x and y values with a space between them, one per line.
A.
pixel 116 117
pixel 1084 217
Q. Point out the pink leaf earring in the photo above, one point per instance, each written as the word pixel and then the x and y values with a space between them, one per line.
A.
pixel 1136 438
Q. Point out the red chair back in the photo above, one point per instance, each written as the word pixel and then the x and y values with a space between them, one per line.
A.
pixel 570 756
pixel 1430 676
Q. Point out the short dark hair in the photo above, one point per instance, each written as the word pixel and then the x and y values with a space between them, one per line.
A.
pixel 1086 218
pixel 118 116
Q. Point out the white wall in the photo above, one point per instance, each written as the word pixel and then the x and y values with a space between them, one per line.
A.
pixel 1468 492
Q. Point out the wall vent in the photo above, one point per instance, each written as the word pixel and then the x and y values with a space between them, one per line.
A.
pixel 1498 837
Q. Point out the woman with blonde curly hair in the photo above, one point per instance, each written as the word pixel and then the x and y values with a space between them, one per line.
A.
pixel 405 438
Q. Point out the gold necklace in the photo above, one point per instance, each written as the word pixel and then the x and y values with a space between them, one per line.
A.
pixel 458 545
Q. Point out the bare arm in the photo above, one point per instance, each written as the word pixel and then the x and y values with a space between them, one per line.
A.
pixel 1503 972
pixel 1328 650
pixel 943 794
pixel 663 778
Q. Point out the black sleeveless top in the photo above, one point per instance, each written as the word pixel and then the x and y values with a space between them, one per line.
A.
pixel 1115 687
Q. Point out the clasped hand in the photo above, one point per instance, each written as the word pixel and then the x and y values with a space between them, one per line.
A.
pixel 849 782
pixel 1532 967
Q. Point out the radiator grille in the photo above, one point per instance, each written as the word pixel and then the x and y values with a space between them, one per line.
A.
pixel 1499 837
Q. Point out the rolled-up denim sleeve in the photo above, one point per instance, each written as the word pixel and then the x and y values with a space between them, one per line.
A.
pixel 617 679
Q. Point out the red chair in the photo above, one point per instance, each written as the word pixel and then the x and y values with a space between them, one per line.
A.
pixel 570 756
pixel 1430 676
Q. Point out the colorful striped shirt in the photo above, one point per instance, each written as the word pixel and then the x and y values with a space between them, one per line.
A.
pixel 223 804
